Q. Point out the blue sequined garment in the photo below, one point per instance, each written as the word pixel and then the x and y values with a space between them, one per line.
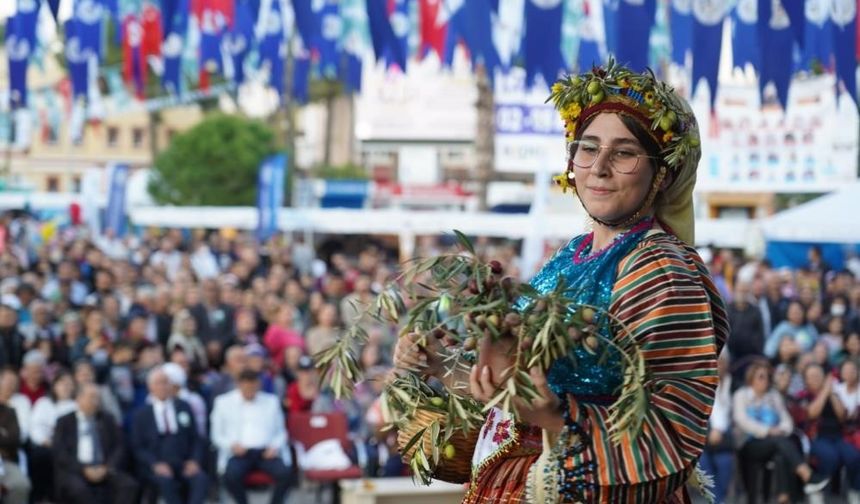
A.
pixel 590 278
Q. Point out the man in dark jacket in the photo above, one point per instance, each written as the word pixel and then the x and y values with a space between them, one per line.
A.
pixel 214 318
pixel 746 341
pixel 166 444
pixel 11 339
pixel 13 480
pixel 89 454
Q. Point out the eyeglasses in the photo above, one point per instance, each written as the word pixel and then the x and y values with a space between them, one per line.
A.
pixel 622 159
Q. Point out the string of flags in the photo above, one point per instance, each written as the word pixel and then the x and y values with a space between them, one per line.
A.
pixel 184 44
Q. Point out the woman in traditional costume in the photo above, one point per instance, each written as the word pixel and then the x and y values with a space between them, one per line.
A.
pixel 633 150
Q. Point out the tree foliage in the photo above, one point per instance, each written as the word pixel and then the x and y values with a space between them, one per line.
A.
pixel 214 163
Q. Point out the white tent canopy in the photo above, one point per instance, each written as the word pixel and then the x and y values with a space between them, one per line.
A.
pixel 834 218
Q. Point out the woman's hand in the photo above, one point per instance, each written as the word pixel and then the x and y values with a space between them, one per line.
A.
pixel 495 361
pixel 410 355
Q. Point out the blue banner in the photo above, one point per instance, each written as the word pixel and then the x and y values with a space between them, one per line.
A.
pixel 844 18
pixel 270 194
pixel 27 17
pixel 301 78
pixel 18 50
pixel 350 73
pixel 171 50
pixel 542 45
pixel 818 35
pixel 681 24
pixel 115 219
pixel 610 13
pixel 328 41
pixel 385 44
pixel 77 60
pixel 471 23
pixel 777 43
pixel 745 34
pixel 633 30
pixel 307 22
pixel 707 42
pixel 272 45
pixel 89 16
pixel 401 27
pixel 239 39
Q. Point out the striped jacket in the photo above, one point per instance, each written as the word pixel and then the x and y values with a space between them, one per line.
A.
pixel 666 299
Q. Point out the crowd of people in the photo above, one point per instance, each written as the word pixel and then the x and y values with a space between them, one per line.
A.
pixel 167 361
pixel 787 413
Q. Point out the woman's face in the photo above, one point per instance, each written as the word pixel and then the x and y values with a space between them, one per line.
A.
pixel 813 378
pixel 852 344
pixel 848 372
pixel 760 381
pixel 63 388
pixel 795 313
pixel 605 193
pixel 189 326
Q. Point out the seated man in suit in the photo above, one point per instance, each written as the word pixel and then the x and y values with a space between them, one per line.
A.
pixel 248 430
pixel 166 444
pixel 89 454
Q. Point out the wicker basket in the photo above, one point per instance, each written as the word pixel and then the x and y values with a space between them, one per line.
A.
pixel 453 470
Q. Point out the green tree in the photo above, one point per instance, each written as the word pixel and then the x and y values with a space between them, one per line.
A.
pixel 214 163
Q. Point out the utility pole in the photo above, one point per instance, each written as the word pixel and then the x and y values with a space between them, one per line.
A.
pixel 485 136
pixel 290 119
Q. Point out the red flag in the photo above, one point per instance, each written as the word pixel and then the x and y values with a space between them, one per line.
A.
pixel 133 60
pixel 432 33
pixel 152 30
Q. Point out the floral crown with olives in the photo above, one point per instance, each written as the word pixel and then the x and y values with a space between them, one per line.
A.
pixel 615 88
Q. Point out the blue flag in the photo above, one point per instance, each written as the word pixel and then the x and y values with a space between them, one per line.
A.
pixel 681 23
pixel 27 18
pixel 172 48
pixel 401 28
pixel 385 44
pixel 54 5
pixel 844 18
pixel 471 23
pixel 115 219
pixel 272 46
pixel 77 59
pixel 307 22
pixel 238 41
pixel 633 31
pixel 301 78
pixel 18 50
pixel 610 30
pixel 745 34
pixel 542 45
pixel 168 10
pixel 350 73
pixel 89 16
pixel 707 42
pixel 270 194
pixel 328 40
pixel 818 35
pixel 777 48
pixel 591 46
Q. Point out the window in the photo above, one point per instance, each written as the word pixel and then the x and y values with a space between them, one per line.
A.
pixel 137 138
pixel 53 184
pixel 76 184
pixel 112 136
